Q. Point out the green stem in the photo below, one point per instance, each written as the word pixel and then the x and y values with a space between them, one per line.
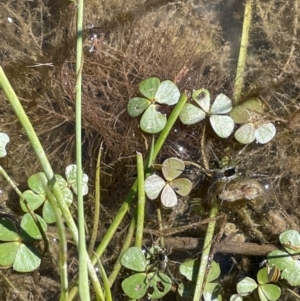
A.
pixel 141 202
pixel 239 79
pixel 200 283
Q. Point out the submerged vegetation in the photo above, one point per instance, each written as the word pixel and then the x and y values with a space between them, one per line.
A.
pixel 188 50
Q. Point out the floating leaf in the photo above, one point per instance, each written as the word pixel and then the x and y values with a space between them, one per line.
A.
pixel 265 133
pixel 181 186
pixel 135 286
pixel 221 105
pixel 152 121
pixel 134 259
pixel 222 125
pixel 149 87
pixel 160 285
pixel 8 230
pixel 34 200
pixel 202 98
pixel 245 134
pixel 71 175
pixel 167 93
pixel 48 213
pixel 27 259
pixel 37 182
pixel 236 297
pixel 172 168
pixel 4 139
pixel 168 197
pixel 290 240
pixel 137 106
pixel 189 269
pixel 153 186
pixel 269 292
pixel 212 292
pixel 191 114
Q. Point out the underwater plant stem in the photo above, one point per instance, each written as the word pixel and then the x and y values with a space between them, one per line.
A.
pixel 205 259
pixel 84 290
pixel 126 244
pixel 239 78
pixel 140 212
pixel 129 198
pixel 96 204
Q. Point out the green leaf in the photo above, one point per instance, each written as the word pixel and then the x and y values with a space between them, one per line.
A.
pixel 202 98
pixel 134 259
pixel 290 238
pixel 190 269
pixel 48 213
pixel 265 133
pixel 8 253
pixel 253 104
pixel 245 134
pixel 221 105
pixel 191 114
pixel 262 275
pixel 222 125
pixel 153 186
pixel 8 230
pixel 240 115
pixel 172 168
pixel 71 175
pixel 4 139
pixel 149 87
pixel 269 292
pixel 153 122
pixel 181 186
pixel 246 286
pixel 212 292
pixel 214 272
pixel 160 285
pixel 37 182
pixel 29 230
pixel 34 200
pixel 135 286
pixel 168 197
pixel 27 259
pixel 236 297
pixel 137 106
pixel 167 93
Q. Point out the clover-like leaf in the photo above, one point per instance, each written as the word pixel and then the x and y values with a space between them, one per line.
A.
pixel 160 285
pixel 168 197
pixel 221 105
pixel 212 292
pixel 8 252
pixel 4 139
pixel 269 292
pixel 48 213
pixel 191 114
pixel 182 186
pixel 236 297
pixel 8 230
pixel 222 125
pixel 202 98
pixel 152 121
pixel 27 259
pixel 290 240
pixel 29 231
pixel 245 134
pixel 137 105
pixel 71 176
pixel 149 87
pixel 34 200
pixel 172 168
pixel 265 133
pixel 134 259
pixel 37 182
pixel 167 93
pixel 246 286
pixel 153 186
pixel 135 286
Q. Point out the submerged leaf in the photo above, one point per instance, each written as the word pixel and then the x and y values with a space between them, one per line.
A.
pixel 191 114
pixel 221 105
pixel 222 125
pixel 137 106
pixel 149 87
pixel 153 122
pixel 167 93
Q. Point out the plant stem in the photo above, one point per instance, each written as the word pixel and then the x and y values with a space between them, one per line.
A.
pixel 239 78
pixel 140 212
pixel 200 283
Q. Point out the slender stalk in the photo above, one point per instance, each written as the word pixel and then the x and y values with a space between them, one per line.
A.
pixel 239 78
pixel 141 202
pixel 200 283
pixel 97 205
